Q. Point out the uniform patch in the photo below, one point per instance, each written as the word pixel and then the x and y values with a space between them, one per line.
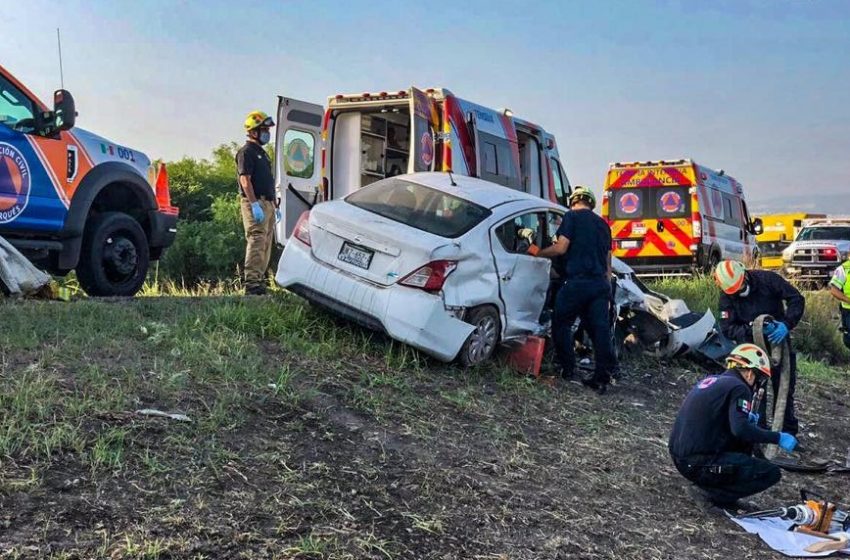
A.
pixel 744 406
pixel 724 314
pixel 14 183
pixel 707 382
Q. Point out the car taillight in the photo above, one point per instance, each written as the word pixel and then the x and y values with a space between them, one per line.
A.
pixel 302 228
pixel 430 277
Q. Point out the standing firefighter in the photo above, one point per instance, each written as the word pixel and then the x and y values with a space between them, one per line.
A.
pixel 584 241
pixel 748 294
pixel 713 437
pixel 839 287
pixel 256 182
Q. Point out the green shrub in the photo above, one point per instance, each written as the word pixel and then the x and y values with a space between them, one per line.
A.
pixel 817 334
pixel 210 250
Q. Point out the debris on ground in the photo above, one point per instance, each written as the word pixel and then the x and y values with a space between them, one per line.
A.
pixel 18 276
pixel 161 414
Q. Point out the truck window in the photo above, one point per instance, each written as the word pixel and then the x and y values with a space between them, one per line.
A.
pixel 628 204
pixel 824 233
pixel 488 157
pixel 299 155
pixel 16 109
pixel 672 202
pixel 497 162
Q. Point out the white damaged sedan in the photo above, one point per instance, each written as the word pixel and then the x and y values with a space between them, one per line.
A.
pixel 433 261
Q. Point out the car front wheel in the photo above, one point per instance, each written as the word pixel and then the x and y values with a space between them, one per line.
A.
pixel 115 256
pixel 482 342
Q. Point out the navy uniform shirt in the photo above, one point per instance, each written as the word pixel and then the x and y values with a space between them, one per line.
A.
pixel 590 243
pixel 714 419
pixel 252 160
pixel 768 291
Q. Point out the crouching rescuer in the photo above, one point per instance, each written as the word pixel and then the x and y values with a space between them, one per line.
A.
pixel 716 430
pixel 256 185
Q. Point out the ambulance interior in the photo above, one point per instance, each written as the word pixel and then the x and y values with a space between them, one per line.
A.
pixel 369 145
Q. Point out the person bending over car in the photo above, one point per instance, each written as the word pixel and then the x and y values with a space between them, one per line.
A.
pixel 715 431
pixel 584 241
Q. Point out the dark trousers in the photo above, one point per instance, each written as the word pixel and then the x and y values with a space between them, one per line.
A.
pixel 790 423
pixel 729 476
pixel 587 299
pixel 845 324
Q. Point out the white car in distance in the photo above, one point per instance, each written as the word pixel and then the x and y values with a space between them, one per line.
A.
pixel 432 260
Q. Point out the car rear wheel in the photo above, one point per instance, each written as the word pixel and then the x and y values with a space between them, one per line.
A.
pixel 115 256
pixel 482 342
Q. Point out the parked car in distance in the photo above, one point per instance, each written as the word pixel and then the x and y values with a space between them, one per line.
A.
pixel 818 249
pixel 433 260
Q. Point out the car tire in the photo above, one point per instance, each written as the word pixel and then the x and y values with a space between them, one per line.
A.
pixel 115 256
pixel 482 342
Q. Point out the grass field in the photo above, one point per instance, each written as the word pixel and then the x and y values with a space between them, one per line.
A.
pixel 311 438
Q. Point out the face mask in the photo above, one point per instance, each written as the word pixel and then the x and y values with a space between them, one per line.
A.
pixel 264 137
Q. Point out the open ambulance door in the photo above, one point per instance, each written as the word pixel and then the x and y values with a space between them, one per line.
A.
pixel 424 123
pixel 298 168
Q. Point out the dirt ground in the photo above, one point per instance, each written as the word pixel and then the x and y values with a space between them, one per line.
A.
pixel 360 459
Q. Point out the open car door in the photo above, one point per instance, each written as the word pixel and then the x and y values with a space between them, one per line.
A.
pixel 298 142
pixel 424 123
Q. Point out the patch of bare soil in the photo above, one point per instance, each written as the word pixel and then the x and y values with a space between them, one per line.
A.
pixel 446 466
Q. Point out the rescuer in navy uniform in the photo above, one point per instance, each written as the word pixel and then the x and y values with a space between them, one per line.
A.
pixel 715 431
pixel 748 294
pixel 584 241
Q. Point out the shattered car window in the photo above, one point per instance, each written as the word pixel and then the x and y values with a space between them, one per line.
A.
pixel 419 207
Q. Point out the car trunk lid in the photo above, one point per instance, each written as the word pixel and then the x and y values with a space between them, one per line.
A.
pixel 369 246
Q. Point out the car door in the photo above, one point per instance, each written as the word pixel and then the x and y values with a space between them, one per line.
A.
pixel 297 169
pixel 32 195
pixel 523 279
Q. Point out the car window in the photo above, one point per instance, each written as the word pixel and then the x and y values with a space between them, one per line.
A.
pixel 824 233
pixel 420 207
pixel 731 211
pixel 510 232
pixel 16 109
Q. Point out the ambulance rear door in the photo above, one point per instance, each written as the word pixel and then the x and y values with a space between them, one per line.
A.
pixel 424 123
pixel 298 143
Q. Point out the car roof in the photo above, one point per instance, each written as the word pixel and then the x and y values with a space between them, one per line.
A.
pixel 484 193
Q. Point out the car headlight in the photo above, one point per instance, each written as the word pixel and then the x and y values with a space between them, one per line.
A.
pixel 787 253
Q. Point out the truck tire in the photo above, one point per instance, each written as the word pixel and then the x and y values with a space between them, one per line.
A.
pixel 482 343
pixel 115 256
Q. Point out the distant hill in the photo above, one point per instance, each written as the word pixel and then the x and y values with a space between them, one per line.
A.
pixel 821 204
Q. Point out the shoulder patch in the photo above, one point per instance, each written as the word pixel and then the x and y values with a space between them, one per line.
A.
pixel 707 382
pixel 724 314
pixel 743 405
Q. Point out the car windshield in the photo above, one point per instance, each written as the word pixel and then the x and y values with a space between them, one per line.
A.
pixel 824 234
pixel 419 207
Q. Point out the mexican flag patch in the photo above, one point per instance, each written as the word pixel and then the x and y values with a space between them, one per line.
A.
pixel 744 406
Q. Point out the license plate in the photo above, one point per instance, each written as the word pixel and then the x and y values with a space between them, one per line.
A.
pixel 629 244
pixel 356 255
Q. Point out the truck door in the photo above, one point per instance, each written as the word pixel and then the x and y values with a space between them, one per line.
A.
pixel 424 120
pixel 297 171
pixel 523 279
pixel 32 183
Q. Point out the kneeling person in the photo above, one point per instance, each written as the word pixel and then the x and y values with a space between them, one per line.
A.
pixel 715 431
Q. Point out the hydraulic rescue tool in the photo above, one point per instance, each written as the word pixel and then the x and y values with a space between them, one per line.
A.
pixel 814 516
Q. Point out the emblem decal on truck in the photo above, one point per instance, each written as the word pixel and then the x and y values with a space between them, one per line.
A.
pixel 427 155
pixel 14 183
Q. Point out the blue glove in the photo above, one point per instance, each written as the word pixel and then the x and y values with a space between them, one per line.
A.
pixel 257 210
pixel 769 328
pixel 753 418
pixel 778 334
pixel 787 442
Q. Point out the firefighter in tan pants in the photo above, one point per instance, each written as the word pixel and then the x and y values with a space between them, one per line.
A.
pixel 256 182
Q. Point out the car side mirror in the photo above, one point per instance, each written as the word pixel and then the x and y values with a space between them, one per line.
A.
pixel 757 227
pixel 64 110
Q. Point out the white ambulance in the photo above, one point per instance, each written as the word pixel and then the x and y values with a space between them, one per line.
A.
pixel 328 153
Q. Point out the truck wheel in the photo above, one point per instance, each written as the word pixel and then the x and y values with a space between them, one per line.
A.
pixel 482 342
pixel 115 256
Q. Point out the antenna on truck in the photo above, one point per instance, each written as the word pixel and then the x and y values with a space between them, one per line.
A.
pixel 451 178
pixel 61 72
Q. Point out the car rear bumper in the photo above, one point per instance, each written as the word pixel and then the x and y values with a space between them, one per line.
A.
pixel 661 266
pixel 406 314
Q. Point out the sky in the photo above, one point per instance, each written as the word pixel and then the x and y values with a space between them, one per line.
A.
pixel 758 88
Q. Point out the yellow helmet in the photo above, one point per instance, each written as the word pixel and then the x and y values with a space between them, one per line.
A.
pixel 749 356
pixel 730 276
pixel 256 119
